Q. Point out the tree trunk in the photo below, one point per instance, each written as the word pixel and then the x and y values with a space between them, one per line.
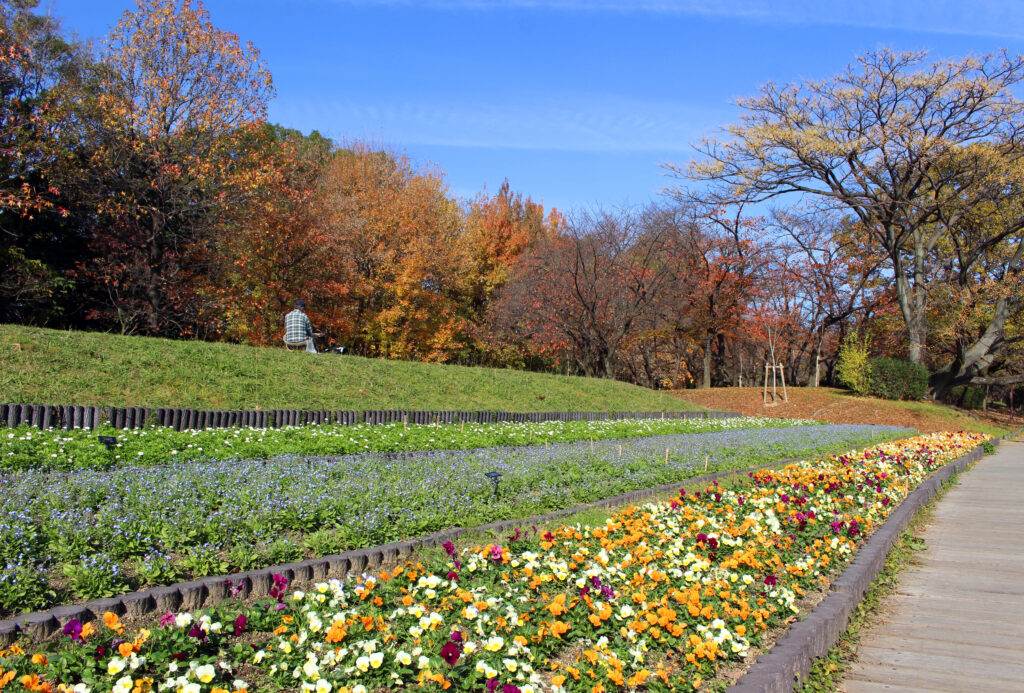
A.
pixel 909 304
pixel 972 360
pixel 912 299
pixel 722 371
pixel 679 365
pixel 817 360
pixel 153 275
pixel 708 341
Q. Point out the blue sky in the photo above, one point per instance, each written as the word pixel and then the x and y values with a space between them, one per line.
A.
pixel 577 102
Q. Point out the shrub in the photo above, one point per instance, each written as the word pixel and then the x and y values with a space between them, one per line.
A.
pixel 852 368
pixel 896 379
pixel 974 397
pixel 966 396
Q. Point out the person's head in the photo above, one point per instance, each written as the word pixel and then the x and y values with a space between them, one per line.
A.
pixel 300 304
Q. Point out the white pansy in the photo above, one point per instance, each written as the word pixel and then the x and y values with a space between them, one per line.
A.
pixel 205 673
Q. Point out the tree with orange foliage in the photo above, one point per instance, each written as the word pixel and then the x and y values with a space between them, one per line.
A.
pixel 273 250
pixel 719 251
pixel 161 126
pixel 37 244
pixel 399 235
pixel 498 230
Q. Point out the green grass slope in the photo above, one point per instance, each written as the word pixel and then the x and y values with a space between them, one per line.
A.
pixel 44 366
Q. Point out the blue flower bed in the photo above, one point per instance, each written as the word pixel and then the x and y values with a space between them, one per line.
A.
pixel 87 533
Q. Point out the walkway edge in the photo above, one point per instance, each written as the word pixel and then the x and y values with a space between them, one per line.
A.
pixel 789 661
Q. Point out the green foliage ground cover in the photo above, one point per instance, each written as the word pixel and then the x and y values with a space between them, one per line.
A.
pixel 84 533
pixel 41 366
pixel 28 448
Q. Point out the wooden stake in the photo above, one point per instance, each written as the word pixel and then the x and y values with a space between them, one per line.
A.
pixel 462 429
pixel 405 422
pixel 620 451
pixel 666 454
pixel 782 372
pixel 764 396
pixel 706 459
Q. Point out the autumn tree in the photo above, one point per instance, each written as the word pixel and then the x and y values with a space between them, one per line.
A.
pixel 37 245
pixel 585 291
pixel 660 349
pixel 398 235
pixel 718 251
pixel 893 142
pixel 158 152
pixel 978 268
pixel 264 255
pixel 829 274
pixel 498 229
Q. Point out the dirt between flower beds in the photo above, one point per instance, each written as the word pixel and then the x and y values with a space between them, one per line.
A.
pixel 139 607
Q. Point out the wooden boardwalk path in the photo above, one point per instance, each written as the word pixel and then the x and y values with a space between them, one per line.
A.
pixel 956 620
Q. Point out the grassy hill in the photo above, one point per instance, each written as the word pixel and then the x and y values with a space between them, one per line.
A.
pixel 85 368
pixel 840 406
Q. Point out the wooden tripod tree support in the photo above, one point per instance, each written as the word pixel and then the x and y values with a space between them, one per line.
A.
pixel 776 369
pixel 778 374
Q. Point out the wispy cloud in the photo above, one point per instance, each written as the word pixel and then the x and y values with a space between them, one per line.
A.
pixel 594 125
pixel 996 18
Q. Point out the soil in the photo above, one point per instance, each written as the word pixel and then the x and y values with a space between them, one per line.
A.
pixel 838 406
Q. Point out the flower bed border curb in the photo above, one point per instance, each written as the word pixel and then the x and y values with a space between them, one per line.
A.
pixel 213 590
pixel 789 661
pixel 67 417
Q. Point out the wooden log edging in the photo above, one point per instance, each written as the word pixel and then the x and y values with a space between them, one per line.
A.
pixel 789 661
pixel 67 417
pixel 210 591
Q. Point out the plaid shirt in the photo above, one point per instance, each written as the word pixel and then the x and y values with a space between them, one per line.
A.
pixel 297 327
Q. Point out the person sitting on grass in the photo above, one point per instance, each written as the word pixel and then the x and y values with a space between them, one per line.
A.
pixel 298 331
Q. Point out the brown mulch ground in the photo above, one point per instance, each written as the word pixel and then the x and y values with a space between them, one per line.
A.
pixel 838 406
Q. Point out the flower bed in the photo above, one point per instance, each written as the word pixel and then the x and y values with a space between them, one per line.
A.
pixel 96 533
pixel 25 448
pixel 654 599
